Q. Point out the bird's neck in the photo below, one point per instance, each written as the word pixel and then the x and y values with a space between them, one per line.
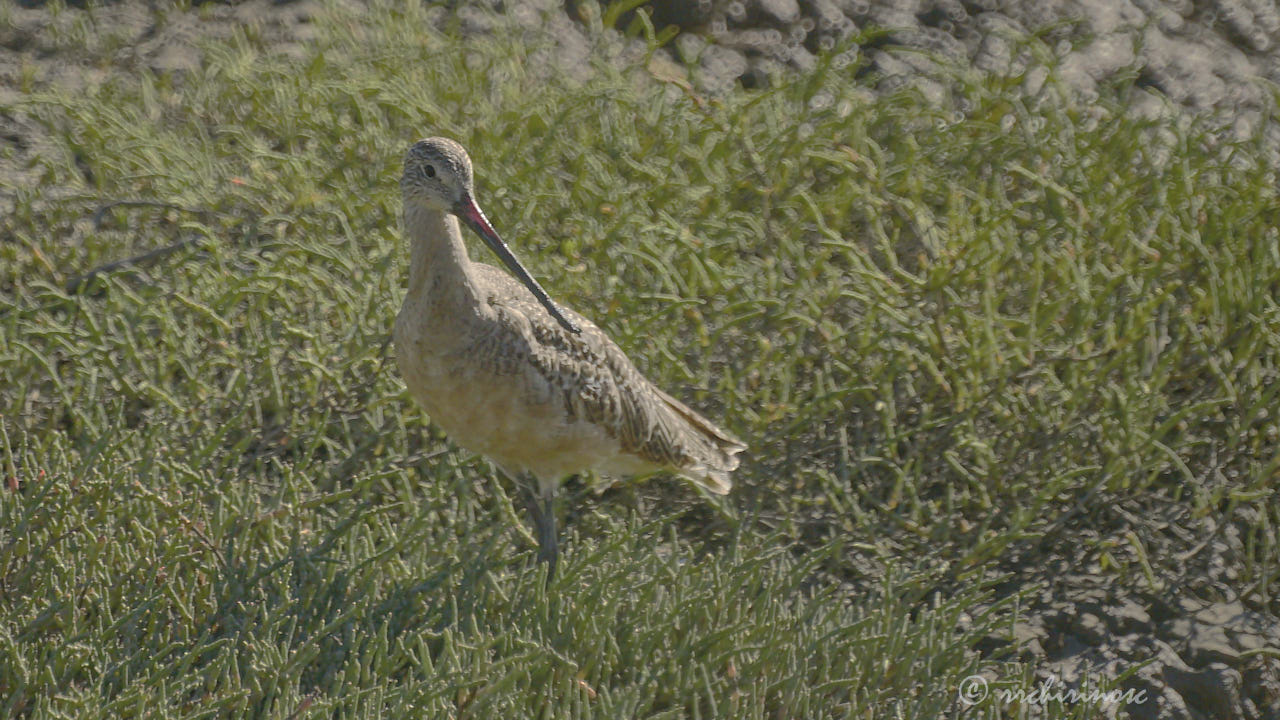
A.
pixel 438 263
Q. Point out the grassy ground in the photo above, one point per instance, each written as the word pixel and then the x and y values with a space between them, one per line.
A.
pixel 959 345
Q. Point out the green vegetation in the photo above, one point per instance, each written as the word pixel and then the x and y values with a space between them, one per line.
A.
pixel 958 345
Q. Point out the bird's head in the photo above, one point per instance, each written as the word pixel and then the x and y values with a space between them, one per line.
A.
pixel 437 177
pixel 437 173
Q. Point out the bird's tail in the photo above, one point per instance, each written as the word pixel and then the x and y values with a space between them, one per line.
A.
pixel 716 450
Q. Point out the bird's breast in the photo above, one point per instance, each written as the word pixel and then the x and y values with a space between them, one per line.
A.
pixel 491 399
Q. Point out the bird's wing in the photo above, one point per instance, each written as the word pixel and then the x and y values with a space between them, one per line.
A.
pixel 599 384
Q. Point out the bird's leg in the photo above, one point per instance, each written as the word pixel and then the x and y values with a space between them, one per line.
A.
pixel 548 538
pixel 542 509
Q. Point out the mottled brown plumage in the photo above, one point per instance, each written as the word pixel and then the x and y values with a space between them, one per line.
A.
pixel 538 389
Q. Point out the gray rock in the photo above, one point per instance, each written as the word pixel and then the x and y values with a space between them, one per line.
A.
pixel 720 68
pixel 1128 617
pixel 826 15
pixel 800 58
pixel 1159 701
pixel 1220 633
pixel 1261 681
pixel 782 11
pixel 1104 17
pixel 994 55
pixel 1090 628
pixel 1214 690
pixel 474 20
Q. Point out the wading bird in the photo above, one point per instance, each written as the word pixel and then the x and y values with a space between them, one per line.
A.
pixel 508 374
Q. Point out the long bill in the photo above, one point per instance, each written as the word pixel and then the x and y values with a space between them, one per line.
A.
pixel 469 211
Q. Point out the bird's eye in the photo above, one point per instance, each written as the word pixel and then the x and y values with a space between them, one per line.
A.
pixel 431 171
